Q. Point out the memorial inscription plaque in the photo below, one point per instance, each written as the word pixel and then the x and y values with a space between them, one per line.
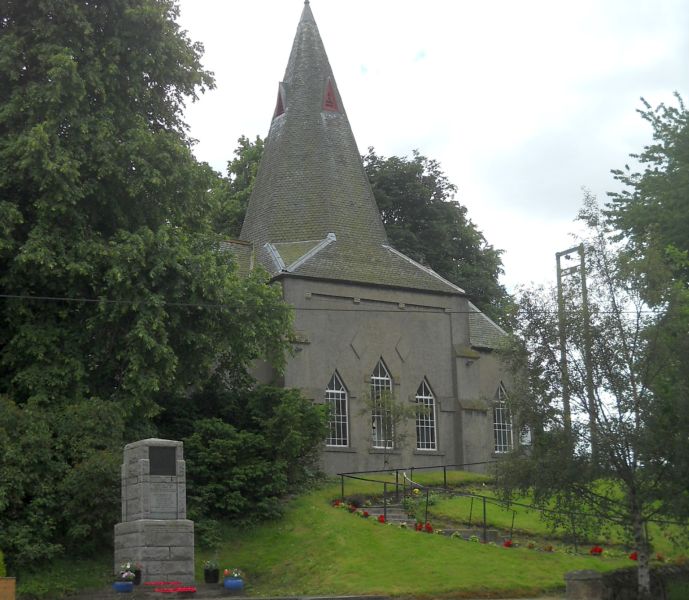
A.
pixel 163 460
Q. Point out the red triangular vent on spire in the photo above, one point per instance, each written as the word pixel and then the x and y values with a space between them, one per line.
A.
pixel 330 100
pixel 279 105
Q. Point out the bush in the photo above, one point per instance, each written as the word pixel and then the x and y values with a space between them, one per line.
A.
pixel 3 571
pixel 241 465
pixel 59 469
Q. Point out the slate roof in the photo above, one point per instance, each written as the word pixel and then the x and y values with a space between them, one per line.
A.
pixel 483 332
pixel 312 212
pixel 243 254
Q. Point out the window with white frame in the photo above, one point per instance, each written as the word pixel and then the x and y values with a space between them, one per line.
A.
pixel 336 400
pixel 425 418
pixel 381 415
pixel 502 422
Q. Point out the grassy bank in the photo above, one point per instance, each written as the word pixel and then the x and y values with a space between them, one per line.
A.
pixel 318 549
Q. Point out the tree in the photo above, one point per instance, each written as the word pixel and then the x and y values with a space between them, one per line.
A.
pixel 235 190
pixel 633 480
pixel 651 213
pixel 415 199
pixel 651 218
pixel 116 297
pixel 249 451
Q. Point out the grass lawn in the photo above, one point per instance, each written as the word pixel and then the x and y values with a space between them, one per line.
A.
pixel 529 523
pixel 318 549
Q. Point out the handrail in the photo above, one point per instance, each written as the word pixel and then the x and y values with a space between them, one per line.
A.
pixel 412 482
pixel 485 499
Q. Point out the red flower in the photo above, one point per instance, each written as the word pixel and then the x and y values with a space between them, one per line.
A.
pixel 596 551
pixel 381 518
pixel 634 555
pixel 419 526
pixel 428 527
pixel 364 514
pixel 337 502
pixel 507 544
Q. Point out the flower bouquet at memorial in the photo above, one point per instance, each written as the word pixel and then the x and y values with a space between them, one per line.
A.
pixel 124 580
pixel 211 572
pixel 233 573
pixel 132 567
pixel 233 580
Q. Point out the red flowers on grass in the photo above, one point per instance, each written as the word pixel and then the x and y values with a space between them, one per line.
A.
pixel 596 551
pixel 507 544
pixel 381 518
pixel 634 555
pixel 427 527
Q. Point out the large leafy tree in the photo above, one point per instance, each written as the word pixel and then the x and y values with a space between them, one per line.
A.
pixel 233 192
pixel 651 213
pixel 115 296
pixel 651 219
pixel 422 219
pixel 637 430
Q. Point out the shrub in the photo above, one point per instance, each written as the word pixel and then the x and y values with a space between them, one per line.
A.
pixel 60 470
pixel 3 571
pixel 240 464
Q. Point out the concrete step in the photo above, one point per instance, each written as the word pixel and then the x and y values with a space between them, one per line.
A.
pixel 394 513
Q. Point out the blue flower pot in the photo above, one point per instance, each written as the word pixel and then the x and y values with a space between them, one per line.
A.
pixel 233 584
pixel 123 587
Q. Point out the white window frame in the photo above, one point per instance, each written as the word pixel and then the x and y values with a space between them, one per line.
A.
pixel 502 423
pixel 382 428
pixel 337 400
pixel 426 434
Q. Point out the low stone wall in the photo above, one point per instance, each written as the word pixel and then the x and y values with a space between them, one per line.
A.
pixel 621 584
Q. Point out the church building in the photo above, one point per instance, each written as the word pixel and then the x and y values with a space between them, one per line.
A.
pixel 375 328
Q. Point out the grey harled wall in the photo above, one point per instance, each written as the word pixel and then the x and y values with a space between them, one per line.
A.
pixel 347 328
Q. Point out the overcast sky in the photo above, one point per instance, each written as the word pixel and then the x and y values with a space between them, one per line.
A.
pixel 523 103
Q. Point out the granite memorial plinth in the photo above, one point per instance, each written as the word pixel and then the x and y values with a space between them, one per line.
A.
pixel 154 531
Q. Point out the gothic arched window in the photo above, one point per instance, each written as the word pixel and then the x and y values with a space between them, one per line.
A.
pixel 425 418
pixel 381 414
pixel 502 422
pixel 338 423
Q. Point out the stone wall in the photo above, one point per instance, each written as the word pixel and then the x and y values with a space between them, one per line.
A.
pixel 622 583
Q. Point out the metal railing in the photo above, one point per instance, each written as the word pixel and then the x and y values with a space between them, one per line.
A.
pixel 357 475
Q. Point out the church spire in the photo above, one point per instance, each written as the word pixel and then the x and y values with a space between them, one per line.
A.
pixel 311 181
pixel 312 212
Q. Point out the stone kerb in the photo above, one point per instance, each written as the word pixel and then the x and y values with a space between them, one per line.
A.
pixel 584 585
pixel 154 530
